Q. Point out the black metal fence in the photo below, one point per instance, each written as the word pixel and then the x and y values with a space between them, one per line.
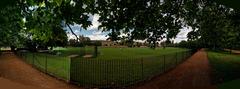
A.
pixel 53 65
pixel 104 73
pixel 122 72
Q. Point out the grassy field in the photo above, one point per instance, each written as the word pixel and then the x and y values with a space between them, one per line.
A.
pixel 52 64
pixel 125 66
pixel 121 53
pixel 225 69
pixel 113 66
pixel 110 53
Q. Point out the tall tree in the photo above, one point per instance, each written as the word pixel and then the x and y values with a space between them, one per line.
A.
pixel 11 24
pixel 153 20
pixel 143 19
pixel 211 24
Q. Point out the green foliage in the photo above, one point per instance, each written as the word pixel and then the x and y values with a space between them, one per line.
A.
pixel 213 24
pixel 149 19
pixel 11 26
pixel 153 20
pixel 194 45
pixel 230 3
pixel 225 66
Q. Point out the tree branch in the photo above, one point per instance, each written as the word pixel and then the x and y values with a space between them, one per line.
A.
pixel 72 31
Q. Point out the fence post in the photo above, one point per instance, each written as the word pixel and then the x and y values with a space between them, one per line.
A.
pixel 182 56
pixel 69 73
pixel 46 63
pixel 176 59
pixel 164 63
pixel 142 68
pixel 33 59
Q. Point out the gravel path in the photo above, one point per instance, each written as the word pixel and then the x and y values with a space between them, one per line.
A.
pixel 15 70
pixel 192 74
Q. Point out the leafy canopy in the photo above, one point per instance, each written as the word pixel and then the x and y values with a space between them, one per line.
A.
pixel 151 20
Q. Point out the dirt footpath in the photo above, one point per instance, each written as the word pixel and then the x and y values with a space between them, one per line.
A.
pixel 192 74
pixel 7 84
pixel 15 70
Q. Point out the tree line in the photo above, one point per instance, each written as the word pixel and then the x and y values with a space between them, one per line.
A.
pixel 28 22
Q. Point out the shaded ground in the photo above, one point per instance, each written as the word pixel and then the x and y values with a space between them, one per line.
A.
pixel 225 69
pixel 16 71
pixel 7 84
pixel 192 74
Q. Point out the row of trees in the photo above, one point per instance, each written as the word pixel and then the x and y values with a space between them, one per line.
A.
pixel 214 24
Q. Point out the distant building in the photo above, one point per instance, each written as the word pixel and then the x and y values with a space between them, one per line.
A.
pixel 109 43
pixel 106 42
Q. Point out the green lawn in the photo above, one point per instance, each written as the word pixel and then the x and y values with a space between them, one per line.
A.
pixel 125 66
pixel 121 53
pixel 113 66
pixel 55 65
pixel 225 69
pixel 110 53
pixel 65 52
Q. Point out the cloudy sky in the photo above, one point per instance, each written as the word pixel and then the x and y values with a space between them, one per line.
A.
pixel 94 34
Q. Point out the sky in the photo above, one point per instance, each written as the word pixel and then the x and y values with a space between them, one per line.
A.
pixel 94 34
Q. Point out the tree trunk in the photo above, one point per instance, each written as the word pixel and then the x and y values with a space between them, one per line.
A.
pixel 51 48
pixel 230 51
pixel 13 48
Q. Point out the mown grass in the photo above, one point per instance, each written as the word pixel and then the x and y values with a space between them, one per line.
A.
pixel 225 68
pixel 125 66
pixel 119 53
pixel 116 53
pixel 113 66
pixel 65 52
pixel 55 65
